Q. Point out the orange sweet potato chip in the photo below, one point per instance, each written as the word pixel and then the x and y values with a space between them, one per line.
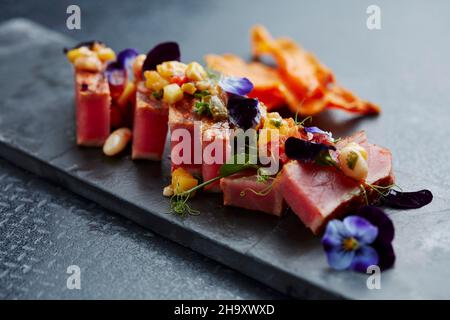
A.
pixel 300 80
pixel 267 84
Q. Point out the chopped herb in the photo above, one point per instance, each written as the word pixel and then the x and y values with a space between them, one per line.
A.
pixel 352 159
pixel 218 109
pixel 201 94
pixel 325 159
pixel 202 108
pixel 262 175
pixel 179 203
pixel 157 95
pixel 276 122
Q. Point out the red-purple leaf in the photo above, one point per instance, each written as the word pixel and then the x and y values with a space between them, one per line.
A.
pixel 407 200
pixel 166 51
pixel 300 149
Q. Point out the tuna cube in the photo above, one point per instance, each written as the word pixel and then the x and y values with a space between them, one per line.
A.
pixel 150 127
pixel 92 108
pixel 215 150
pixel 244 191
pixel 185 137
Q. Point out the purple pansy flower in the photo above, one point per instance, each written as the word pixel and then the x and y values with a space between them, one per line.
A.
pixel 235 85
pixel 119 70
pixel 318 131
pixel 360 241
pixel 243 112
pixel 386 232
pixel 347 244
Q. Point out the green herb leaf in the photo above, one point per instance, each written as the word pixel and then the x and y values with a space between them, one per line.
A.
pixel 351 159
pixel 276 122
pixel 201 94
pixel 157 95
pixel 202 108
pixel 324 159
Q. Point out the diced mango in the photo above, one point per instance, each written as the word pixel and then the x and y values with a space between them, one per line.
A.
pixel 76 53
pixel 154 81
pixel 127 94
pixel 195 72
pixel 137 66
pixel 106 54
pixel 88 63
pixel 170 69
pixel 189 88
pixel 172 93
pixel 182 181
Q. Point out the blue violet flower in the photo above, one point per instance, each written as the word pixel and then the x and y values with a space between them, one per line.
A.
pixel 235 85
pixel 360 241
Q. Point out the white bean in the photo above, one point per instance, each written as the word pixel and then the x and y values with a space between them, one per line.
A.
pixel 117 141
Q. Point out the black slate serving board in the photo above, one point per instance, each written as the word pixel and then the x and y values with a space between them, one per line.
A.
pixel 37 133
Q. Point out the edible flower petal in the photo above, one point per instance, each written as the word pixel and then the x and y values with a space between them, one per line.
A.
pixel 361 229
pixel 378 218
pixel 235 85
pixel 340 259
pixel 115 73
pixel 166 51
pixel 243 112
pixel 407 200
pixel 347 244
pixel 383 242
pixel 317 130
pixel 364 257
pixel 300 149
pixel 125 57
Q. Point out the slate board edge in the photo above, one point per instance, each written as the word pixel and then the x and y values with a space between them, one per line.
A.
pixel 247 264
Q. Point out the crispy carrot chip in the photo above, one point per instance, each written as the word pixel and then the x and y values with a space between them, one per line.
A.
pixel 300 80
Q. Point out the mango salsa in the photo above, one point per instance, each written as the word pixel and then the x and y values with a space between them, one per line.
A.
pixel 182 181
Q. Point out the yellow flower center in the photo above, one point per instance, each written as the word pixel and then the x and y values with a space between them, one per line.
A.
pixel 350 244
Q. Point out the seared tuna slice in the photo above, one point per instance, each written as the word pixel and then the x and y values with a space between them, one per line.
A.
pixel 244 191
pixel 185 154
pixel 215 137
pixel 92 108
pixel 317 194
pixel 150 127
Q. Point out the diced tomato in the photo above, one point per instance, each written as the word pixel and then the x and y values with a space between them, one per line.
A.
pixel 179 80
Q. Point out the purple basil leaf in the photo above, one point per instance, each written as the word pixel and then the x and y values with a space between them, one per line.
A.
pixel 243 112
pixel 299 149
pixel 408 200
pixel 379 219
pixel 235 85
pixel 115 73
pixel 166 51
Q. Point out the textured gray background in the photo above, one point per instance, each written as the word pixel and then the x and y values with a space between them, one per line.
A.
pixel 404 67
pixel 44 229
